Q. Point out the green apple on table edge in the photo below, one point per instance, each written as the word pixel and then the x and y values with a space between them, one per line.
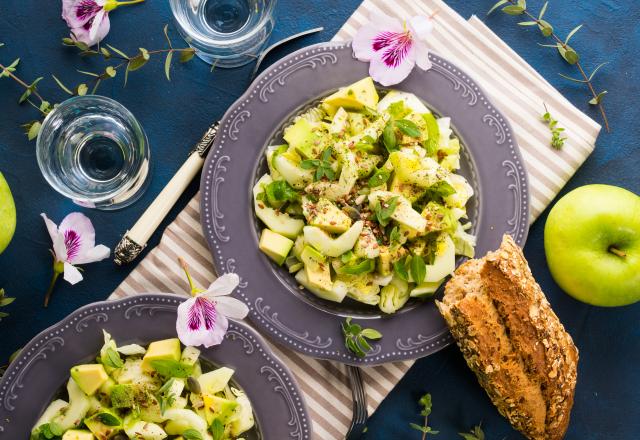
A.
pixel 7 214
pixel 592 244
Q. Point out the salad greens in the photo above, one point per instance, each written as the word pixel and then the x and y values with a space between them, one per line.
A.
pixel 363 201
pixel 147 394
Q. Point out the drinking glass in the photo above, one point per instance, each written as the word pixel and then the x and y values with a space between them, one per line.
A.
pixel 92 150
pixel 225 33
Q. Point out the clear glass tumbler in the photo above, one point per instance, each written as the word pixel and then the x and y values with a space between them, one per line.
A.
pixel 92 150
pixel 225 33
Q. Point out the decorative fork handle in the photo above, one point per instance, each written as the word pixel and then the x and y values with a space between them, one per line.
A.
pixel 360 414
pixel 135 239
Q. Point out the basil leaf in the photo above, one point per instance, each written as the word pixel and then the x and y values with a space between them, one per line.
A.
pixel 384 213
pixel 389 137
pixel 326 154
pixel 371 333
pixel 440 189
pixel 380 177
pixel 432 142
pixel 112 359
pixel 309 164
pixel 171 368
pixel 279 191
pixel 108 419
pixel 191 434
pixel 217 429
pixel 418 269
pixel 409 128
pixel 395 235
pixel 400 268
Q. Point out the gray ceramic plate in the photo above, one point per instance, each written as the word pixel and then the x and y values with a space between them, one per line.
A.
pixel 37 375
pixel 296 318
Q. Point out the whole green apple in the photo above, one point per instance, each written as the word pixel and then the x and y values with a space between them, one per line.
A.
pixel 592 243
pixel 7 214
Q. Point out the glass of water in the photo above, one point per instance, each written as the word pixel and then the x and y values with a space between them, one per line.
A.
pixel 225 33
pixel 92 150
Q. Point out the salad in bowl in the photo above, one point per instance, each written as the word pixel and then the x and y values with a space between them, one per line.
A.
pixel 363 200
pixel 147 394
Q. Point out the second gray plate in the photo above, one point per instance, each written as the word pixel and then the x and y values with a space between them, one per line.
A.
pixel 296 318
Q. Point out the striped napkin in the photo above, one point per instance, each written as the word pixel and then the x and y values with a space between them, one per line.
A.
pixel 515 88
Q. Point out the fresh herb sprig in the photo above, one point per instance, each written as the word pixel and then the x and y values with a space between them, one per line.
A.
pixel 557 140
pixel 4 301
pixel 130 63
pixel 425 403
pixel 413 265
pixel 384 210
pixel 476 433
pixel 165 396
pixel 356 338
pixel 568 53
pixel 322 165
pixel 191 434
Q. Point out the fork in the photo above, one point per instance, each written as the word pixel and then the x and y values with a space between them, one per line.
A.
pixel 360 415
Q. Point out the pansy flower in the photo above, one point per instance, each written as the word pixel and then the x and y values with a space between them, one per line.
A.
pixel 393 47
pixel 74 242
pixel 202 319
pixel 89 19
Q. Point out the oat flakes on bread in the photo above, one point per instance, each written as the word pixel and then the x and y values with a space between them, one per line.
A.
pixel 513 341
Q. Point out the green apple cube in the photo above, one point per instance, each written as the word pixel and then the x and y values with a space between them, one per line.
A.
pixel 275 246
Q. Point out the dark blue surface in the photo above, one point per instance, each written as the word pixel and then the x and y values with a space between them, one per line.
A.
pixel 174 116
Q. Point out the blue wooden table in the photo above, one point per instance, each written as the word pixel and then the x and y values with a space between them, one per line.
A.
pixel 174 116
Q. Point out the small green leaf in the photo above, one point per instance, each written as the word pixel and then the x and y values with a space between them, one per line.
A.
pixel 497 5
pixel 569 55
pixel 119 52
pixel 62 86
pixel 408 127
pixel 95 87
pixel 110 72
pixel 528 23
pixel 543 10
pixel 400 268
pixel 522 4
pixel 166 35
pixel 418 269
pixel 186 55
pixel 80 45
pixel 380 177
pixel 167 65
pixel 112 359
pixel 34 130
pixel 217 429
pixel 572 33
pixel 138 61
pixel 570 78
pixel 371 333
pixel 66 41
pixel 598 99
pixel 389 137
pixel 513 10
pixel 89 73
pixel 598 67
pixel 24 96
pixel 191 434
pixel 108 419
pixel 431 144
pixel 545 27
pixel 105 53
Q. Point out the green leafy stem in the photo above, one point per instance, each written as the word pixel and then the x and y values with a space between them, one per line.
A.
pixel 129 62
pixel 568 53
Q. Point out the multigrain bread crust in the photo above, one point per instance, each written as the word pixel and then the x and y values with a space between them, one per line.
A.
pixel 513 341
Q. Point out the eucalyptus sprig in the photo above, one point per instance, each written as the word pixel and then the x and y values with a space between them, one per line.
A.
pixel 4 301
pixel 425 403
pixel 568 53
pixel 356 338
pixel 557 140
pixel 476 433
pixel 130 63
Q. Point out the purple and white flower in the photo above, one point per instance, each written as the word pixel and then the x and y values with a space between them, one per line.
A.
pixel 392 47
pixel 74 243
pixel 89 19
pixel 202 319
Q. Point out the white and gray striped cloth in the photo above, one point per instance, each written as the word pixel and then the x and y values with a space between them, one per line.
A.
pixel 515 88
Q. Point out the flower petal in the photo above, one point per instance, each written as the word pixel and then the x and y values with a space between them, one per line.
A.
pixel 95 24
pixel 72 274
pixel 59 249
pixel 231 307
pixel 97 253
pixel 79 235
pixel 51 227
pixel 422 56
pixel 420 27
pixel 78 12
pixel 224 285
pixel 196 325
pixel 363 40
pixel 388 76
pixel 82 33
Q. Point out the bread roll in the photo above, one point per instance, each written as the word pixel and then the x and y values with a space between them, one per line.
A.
pixel 513 341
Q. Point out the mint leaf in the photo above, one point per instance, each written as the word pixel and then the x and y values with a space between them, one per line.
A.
pixel 108 419
pixel 408 127
pixel 112 359
pixel 389 137
pixel 380 177
pixel 191 434
pixel 355 337
pixel 217 429
pixel 418 269
pixel 400 268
